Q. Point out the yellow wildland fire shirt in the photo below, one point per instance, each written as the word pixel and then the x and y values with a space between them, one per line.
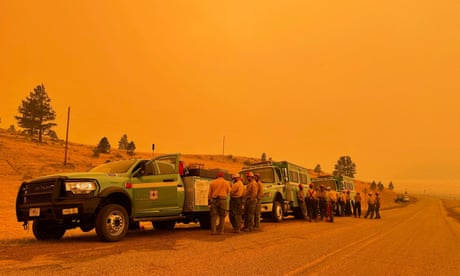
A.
pixel 371 200
pixel 251 190
pixel 237 189
pixel 332 195
pixel 322 194
pixel 219 188
pixel 301 195
pixel 260 190
pixel 311 194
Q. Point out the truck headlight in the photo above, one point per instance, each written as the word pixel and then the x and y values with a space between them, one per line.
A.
pixel 85 187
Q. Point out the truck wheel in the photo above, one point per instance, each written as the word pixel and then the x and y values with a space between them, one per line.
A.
pixel 277 212
pixel 47 230
pixel 112 223
pixel 164 225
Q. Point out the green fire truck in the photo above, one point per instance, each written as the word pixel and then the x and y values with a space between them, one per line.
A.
pixel 281 183
pixel 114 197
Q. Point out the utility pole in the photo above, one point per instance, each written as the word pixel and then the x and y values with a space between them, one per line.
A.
pixel 67 136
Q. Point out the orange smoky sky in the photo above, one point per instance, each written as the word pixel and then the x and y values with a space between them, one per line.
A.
pixel 303 81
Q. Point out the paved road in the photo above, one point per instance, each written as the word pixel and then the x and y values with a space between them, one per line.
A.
pixel 419 239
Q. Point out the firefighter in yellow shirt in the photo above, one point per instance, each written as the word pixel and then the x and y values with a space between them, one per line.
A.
pixel 357 206
pixel 217 197
pixel 236 203
pixel 331 201
pixel 250 203
pixel 312 203
pixel 301 199
pixel 322 202
pixel 370 206
pixel 260 194
pixel 348 211
pixel 378 200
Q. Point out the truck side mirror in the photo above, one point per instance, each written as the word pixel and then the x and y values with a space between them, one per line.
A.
pixel 139 171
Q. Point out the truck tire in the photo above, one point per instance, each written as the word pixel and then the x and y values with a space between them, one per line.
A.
pixel 277 211
pixel 47 230
pixel 164 225
pixel 112 223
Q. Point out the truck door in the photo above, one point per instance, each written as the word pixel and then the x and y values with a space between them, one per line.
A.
pixel 157 190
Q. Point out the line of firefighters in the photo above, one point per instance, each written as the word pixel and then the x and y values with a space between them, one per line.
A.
pixel 315 204
pixel 324 203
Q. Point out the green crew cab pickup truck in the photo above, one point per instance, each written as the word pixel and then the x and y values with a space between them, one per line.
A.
pixel 114 197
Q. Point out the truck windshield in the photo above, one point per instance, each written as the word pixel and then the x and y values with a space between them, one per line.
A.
pixel 327 183
pixel 266 175
pixel 114 167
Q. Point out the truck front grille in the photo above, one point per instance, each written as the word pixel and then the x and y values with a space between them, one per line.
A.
pixel 37 192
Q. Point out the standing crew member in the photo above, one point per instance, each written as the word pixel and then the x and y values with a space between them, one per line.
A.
pixel 331 200
pixel 322 198
pixel 260 194
pixel 217 197
pixel 312 203
pixel 347 203
pixel 236 203
pixel 301 199
pixel 343 199
pixel 250 203
pixel 370 206
pixel 377 205
pixel 357 206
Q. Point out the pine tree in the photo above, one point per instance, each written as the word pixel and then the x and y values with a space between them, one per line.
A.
pixel 12 129
pixel 123 143
pixel 263 157
pixel 391 186
pixel 103 146
pixel 373 186
pixel 380 186
pixel 317 170
pixel 345 167
pixel 131 148
pixel 53 135
pixel 36 113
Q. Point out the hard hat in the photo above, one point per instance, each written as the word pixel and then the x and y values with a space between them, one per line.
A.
pixel 250 174
pixel 311 185
pixel 328 188
pixel 369 193
pixel 220 174
pixel 322 186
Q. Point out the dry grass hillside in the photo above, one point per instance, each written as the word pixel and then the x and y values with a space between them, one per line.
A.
pixel 22 157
